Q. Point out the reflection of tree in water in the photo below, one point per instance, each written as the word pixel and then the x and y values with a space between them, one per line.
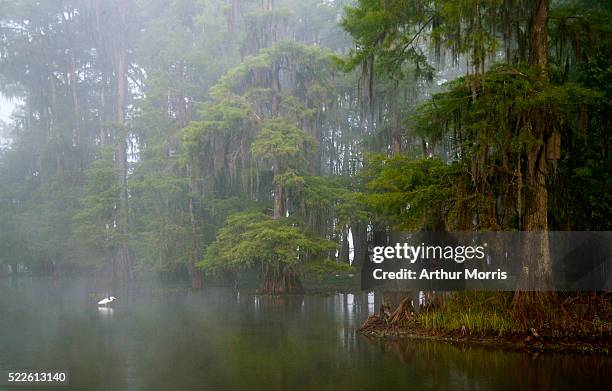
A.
pixel 461 366
pixel 90 353
pixel 275 314
pixel 287 303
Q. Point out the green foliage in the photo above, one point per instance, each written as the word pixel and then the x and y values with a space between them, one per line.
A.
pixel 60 200
pixel 230 105
pixel 500 112
pixel 333 196
pixel 95 219
pixel 412 194
pixel 278 139
pixel 388 33
pixel 327 267
pixel 583 199
pixel 253 238
pixel 160 232
pixel 494 126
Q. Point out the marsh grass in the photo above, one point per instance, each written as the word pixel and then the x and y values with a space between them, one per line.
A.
pixel 478 312
pixel 493 313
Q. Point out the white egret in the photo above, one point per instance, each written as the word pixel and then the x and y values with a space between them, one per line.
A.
pixel 107 300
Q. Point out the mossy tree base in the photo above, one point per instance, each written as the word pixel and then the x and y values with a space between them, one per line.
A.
pixel 282 281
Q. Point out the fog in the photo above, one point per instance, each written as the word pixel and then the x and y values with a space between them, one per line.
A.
pixel 191 190
pixel 6 109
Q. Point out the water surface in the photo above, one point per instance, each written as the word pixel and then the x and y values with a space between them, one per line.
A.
pixel 173 339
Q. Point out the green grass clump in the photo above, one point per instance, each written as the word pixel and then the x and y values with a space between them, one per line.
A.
pixel 478 312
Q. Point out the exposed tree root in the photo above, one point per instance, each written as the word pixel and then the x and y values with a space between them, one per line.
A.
pixel 402 315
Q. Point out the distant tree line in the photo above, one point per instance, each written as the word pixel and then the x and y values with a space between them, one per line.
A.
pixel 212 136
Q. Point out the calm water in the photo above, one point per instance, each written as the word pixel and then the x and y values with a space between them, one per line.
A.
pixel 156 339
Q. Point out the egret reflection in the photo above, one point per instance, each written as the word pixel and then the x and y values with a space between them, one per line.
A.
pixel 105 312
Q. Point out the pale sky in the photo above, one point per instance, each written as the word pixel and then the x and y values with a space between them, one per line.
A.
pixel 6 108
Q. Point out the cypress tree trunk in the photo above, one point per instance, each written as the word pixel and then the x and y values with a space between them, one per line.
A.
pixel 278 191
pixel 394 124
pixel 360 244
pixel 196 277
pixel 537 269
pixel 538 54
pixel 280 280
pixel 344 246
pixel 123 262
